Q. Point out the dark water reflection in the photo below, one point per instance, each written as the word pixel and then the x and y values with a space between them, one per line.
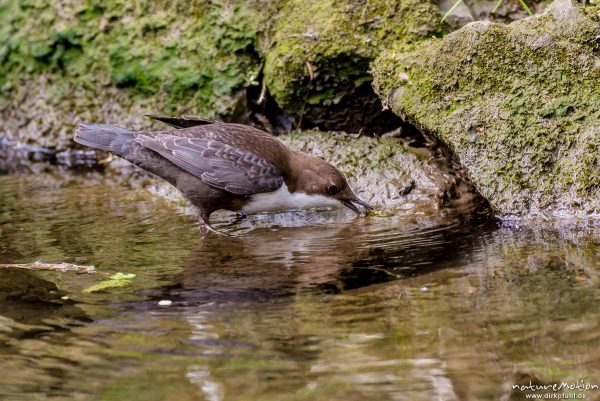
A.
pixel 298 307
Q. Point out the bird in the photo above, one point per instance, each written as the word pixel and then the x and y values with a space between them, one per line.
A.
pixel 218 165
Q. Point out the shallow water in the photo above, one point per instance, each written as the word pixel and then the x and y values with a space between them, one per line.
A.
pixel 310 306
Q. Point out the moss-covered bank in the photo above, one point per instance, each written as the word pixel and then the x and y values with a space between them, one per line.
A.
pixel 113 61
pixel 186 52
pixel 519 104
pixel 63 62
pixel 318 64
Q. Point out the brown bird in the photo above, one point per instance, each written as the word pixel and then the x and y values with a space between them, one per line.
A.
pixel 226 166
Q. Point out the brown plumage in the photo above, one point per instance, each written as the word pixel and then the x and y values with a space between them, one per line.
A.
pixel 225 166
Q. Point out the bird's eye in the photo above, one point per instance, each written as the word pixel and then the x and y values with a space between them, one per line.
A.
pixel 332 189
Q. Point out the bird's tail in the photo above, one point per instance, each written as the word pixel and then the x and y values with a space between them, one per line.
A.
pixel 104 137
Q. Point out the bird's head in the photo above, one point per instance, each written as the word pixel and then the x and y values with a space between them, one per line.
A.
pixel 318 177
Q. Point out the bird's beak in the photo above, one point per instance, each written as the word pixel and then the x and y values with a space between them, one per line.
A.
pixel 351 205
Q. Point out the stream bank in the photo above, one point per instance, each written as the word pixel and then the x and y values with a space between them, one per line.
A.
pixel 518 104
pixel 512 109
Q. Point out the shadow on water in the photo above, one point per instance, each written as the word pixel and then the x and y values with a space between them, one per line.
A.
pixel 307 306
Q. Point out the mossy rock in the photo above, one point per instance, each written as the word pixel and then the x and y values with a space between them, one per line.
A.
pixel 519 104
pixel 61 63
pixel 116 60
pixel 382 171
pixel 318 61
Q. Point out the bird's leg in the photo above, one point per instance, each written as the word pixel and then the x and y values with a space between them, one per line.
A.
pixel 205 227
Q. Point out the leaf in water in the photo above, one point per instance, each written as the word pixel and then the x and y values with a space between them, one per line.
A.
pixel 122 276
pixel 115 281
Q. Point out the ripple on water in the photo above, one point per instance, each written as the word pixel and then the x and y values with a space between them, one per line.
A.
pixel 314 306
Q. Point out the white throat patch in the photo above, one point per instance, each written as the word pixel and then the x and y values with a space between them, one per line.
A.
pixel 282 199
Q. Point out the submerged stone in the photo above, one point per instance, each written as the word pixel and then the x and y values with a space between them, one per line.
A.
pixel 519 105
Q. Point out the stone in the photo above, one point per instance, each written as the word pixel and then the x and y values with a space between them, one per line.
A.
pixel 518 104
pixel 317 64
pixel 421 185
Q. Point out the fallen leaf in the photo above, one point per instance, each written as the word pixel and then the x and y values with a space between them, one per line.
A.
pixel 115 281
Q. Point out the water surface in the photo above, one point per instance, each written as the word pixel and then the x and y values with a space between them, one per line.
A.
pixel 306 306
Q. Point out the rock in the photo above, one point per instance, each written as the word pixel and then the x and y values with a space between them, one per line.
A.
pixel 381 171
pixel 506 11
pixel 30 303
pixel 63 63
pixel 461 12
pixel 317 67
pixel 518 104
pixel 458 13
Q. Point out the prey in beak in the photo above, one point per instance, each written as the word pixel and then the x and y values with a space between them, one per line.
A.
pixel 351 204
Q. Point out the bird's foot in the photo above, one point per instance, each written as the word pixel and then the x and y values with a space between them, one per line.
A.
pixel 206 228
pixel 239 216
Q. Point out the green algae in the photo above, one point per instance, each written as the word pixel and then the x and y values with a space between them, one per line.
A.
pixel 519 104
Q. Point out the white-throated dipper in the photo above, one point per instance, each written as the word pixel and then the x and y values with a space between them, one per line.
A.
pixel 226 166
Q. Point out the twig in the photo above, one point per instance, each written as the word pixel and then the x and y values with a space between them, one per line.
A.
pixel 59 267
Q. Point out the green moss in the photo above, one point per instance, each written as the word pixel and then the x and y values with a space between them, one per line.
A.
pixel 190 55
pixel 322 48
pixel 355 155
pixel 518 103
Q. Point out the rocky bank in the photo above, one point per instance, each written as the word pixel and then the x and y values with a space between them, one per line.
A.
pixel 506 110
pixel 518 104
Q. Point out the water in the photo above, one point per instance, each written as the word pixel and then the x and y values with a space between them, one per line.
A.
pixel 314 306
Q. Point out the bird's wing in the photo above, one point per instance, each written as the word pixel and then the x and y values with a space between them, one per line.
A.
pixel 182 122
pixel 222 166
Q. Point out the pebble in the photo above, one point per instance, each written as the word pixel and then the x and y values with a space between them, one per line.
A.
pixel 165 302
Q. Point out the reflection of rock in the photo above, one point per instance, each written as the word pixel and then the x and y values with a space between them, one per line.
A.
pixel 266 299
pixel 518 104
pixel 30 301
pixel 425 336
pixel 200 375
